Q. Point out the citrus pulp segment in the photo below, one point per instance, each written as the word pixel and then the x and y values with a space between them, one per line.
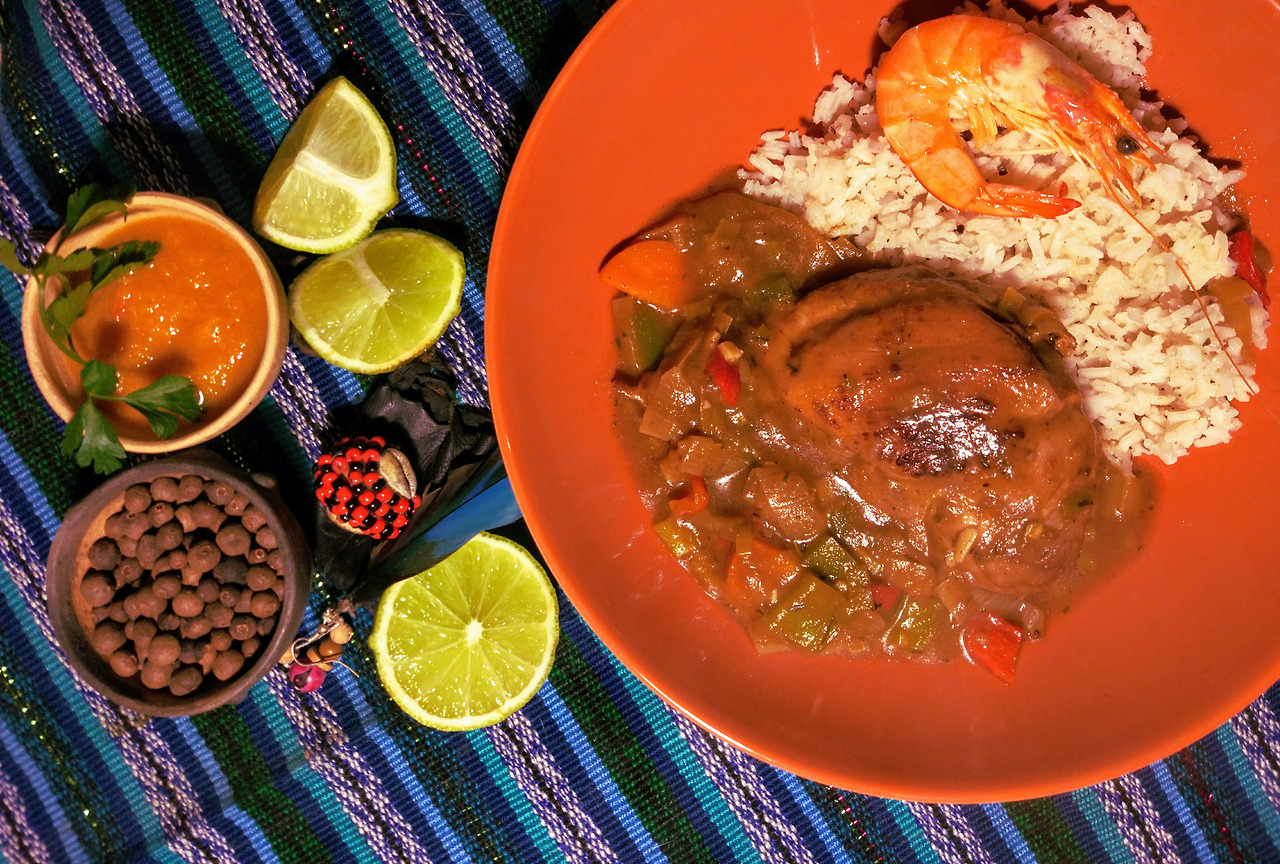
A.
pixel 468 642
pixel 333 176
pixel 381 302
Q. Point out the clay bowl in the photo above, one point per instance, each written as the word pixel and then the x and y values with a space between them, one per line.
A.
pixel 59 380
pixel 71 614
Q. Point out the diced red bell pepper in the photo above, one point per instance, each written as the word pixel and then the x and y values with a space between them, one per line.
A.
pixel 883 595
pixel 993 643
pixel 693 501
pixel 726 377
pixel 1240 248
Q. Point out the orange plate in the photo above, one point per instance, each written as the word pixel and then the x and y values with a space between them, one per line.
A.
pixel 661 96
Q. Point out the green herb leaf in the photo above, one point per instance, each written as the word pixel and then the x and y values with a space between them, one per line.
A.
pixel 81 200
pixel 163 402
pixel 98 379
pixel 96 212
pixel 111 264
pixel 81 259
pixel 9 258
pixel 92 202
pixel 90 437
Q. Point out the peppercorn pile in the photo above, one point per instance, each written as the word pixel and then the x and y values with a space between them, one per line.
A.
pixel 186 583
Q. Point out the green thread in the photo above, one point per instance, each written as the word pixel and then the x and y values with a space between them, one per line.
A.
pixel 1048 835
pixel 282 823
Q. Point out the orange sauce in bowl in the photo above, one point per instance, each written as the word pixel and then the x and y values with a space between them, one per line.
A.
pixel 197 310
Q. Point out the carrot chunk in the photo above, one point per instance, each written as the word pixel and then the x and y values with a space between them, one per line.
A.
pixel 650 270
pixel 993 643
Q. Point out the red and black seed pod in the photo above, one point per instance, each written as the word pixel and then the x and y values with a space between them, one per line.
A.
pixel 360 481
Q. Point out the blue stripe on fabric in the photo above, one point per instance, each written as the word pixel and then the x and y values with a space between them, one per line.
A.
pixel 615 678
pixel 1009 833
pixel 385 761
pixel 72 113
pixel 211 790
pixel 1190 828
pixel 1260 818
pixel 24 183
pixel 516 84
pixel 229 63
pixel 910 831
pixel 534 836
pixel 1151 788
pixel 986 833
pixel 32 509
pixel 566 727
pixel 43 812
pixel 801 800
pixel 1102 828
pixel 337 387
pixel 301 43
pixel 443 112
pixel 293 776
pixel 163 108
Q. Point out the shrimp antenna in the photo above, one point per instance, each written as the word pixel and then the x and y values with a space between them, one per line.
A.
pixel 1204 307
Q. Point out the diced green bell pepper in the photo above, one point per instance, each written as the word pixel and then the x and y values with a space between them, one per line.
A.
pixel 913 625
pixel 806 612
pixel 832 560
pixel 642 333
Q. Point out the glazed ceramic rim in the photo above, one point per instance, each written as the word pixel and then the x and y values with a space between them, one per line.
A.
pixel 46 363
pixel 63 571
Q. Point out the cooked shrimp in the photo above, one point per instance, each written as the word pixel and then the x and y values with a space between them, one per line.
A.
pixel 998 74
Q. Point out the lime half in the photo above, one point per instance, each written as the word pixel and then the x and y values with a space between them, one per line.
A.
pixel 332 178
pixel 468 642
pixel 381 302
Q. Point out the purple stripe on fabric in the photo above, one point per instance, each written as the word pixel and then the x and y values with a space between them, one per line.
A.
pixel 107 93
pixel 256 32
pixel 466 360
pixel 949 832
pixel 167 789
pixel 21 238
pixel 460 77
pixel 735 775
pixel 18 840
pixel 535 771
pixel 1138 820
pixel 298 399
pixel 331 755
pixel 1258 734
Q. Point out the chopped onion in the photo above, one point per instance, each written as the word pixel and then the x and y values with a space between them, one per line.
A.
pixel 1026 615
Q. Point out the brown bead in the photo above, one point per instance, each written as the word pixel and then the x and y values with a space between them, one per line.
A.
pixel 186 517
pixel 190 488
pixel 116 612
pixel 107 638
pixel 188 603
pixel 243 626
pixel 245 604
pixel 142 633
pixel 250 646
pixel 124 663
pixel 266 625
pixel 227 664
pixel 156 675
pixel 168 621
pixel 164 489
pixel 160 513
pixel 229 596
pixel 256 555
pixel 218 492
pixel 341 633
pixel 136 524
pixel 207 655
pixel 104 554
pixel 128 546
pixel 275 558
pixel 147 551
pixel 167 585
pixel 149 605
pixel 220 639
pixel 195 628
pixel 327 649
pixel 169 536
pixel 237 505
pixel 97 588
pixel 128 571
pixel 233 539
pixel 185 680
pixel 208 589
pixel 137 498
pixel 188 652
pixel 165 648
pixel 231 571
pixel 266 538
pixel 219 615
pixel 260 577
pixel 264 604
pixel 207 515
pixel 114 526
pixel 253 519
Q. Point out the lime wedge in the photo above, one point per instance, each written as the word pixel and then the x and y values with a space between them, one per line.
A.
pixel 333 177
pixel 468 642
pixel 381 302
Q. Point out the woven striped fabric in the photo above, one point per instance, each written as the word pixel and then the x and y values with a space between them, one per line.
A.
pixel 192 96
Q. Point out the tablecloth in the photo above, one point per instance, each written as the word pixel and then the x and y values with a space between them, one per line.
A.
pixel 192 96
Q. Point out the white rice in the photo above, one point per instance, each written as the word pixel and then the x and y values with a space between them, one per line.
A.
pixel 1154 378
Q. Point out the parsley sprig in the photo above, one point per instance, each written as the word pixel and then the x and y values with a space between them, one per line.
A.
pixel 78 274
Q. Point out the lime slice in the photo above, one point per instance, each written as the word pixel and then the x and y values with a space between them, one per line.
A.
pixel 381 302
pixel 468 642
pixel 333 177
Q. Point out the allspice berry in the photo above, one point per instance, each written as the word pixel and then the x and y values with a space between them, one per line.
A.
pixel 233 539
pixel 186 680
pixel 104 554
pixel 97 588
pixel 124 663
pixel 165 648
pixel 107 638
pixel 227 664
pixel 156 675
pixel 137 498
pixel 188 603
